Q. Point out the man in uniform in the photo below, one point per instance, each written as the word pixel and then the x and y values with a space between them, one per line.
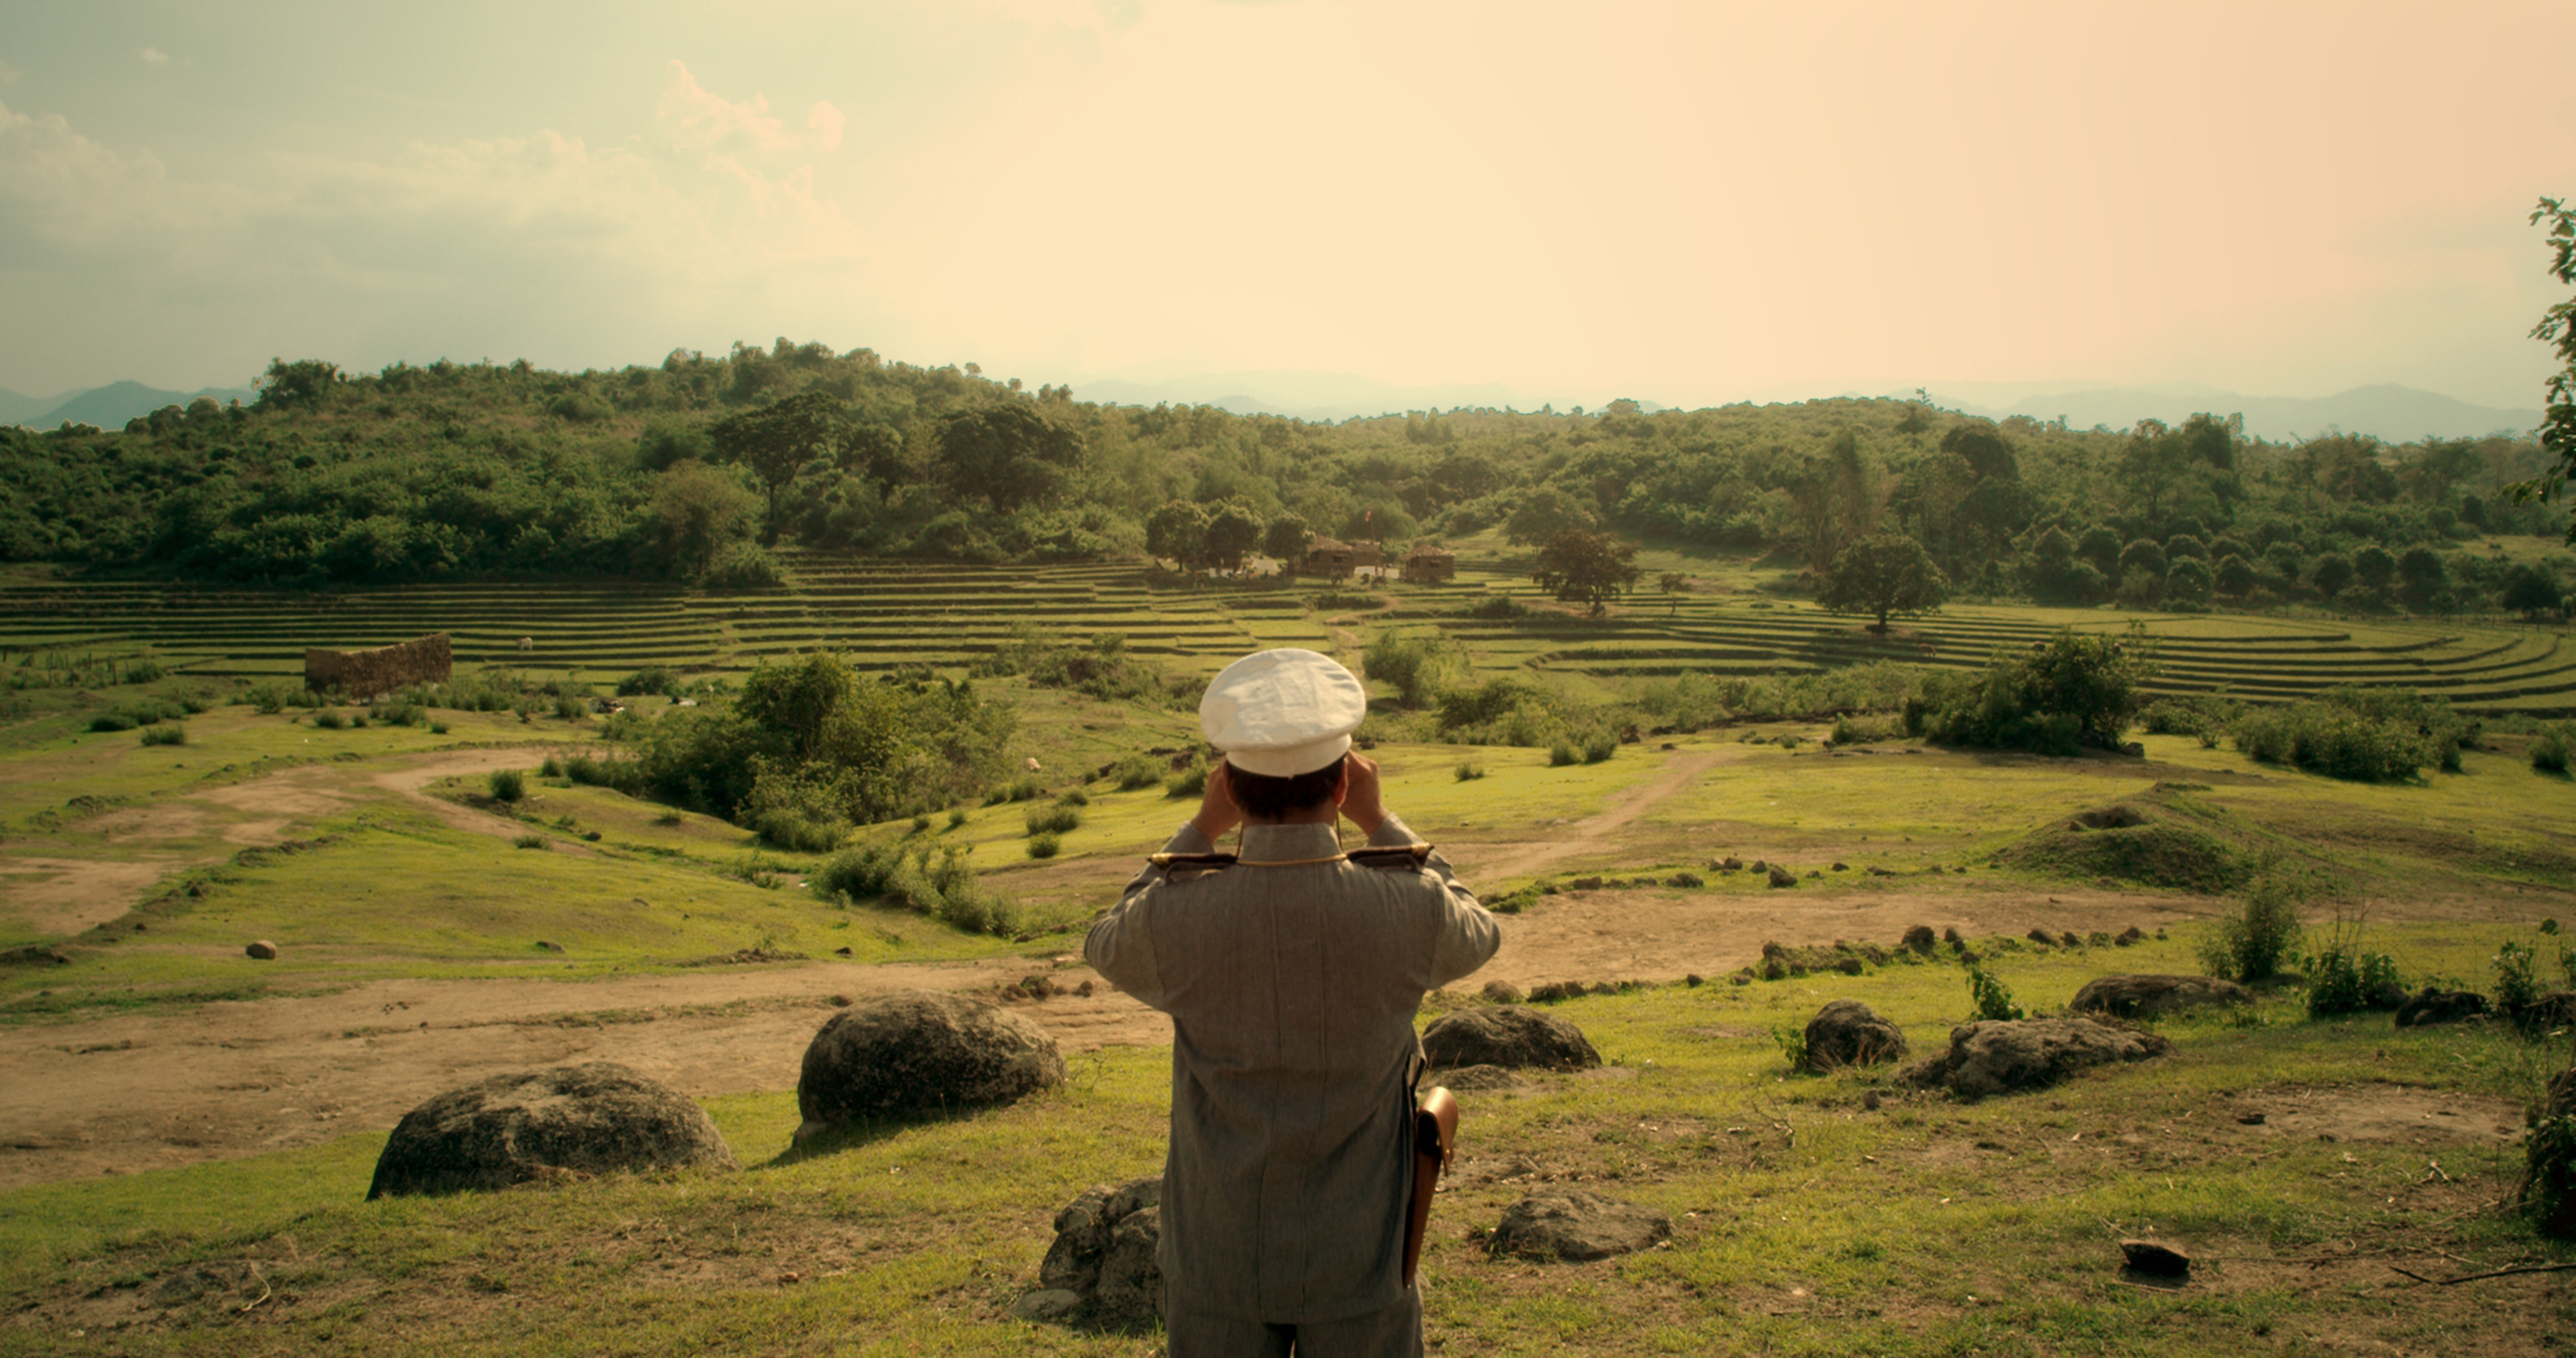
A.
pixel 1292 971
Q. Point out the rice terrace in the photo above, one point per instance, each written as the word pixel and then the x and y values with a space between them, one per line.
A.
pixel 786 683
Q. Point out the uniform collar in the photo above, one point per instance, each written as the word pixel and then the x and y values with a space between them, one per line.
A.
pixel 1289 843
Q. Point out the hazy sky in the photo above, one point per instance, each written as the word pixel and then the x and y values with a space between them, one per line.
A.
pixel 1685 202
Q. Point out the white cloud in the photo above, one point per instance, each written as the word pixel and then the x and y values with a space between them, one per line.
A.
pixel 154 56
pixel 544 245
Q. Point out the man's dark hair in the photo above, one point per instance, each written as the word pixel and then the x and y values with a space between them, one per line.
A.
pixel 1265 797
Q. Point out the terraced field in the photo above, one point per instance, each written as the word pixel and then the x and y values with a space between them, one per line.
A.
pixel 889 613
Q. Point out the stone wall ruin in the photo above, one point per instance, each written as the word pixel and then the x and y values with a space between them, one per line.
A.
pixel 369 674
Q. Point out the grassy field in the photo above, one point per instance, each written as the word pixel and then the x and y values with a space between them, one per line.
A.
pixel 1812 1214
pixel 1806 1220
pixel 885 614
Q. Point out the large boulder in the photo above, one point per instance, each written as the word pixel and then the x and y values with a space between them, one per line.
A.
pixel 594 1118
pixel 1104 1257
pixel 2001 1056
pixel 919 1051
pixel 1576 1226
pixel 1508 1035
pixel 2155 996
pixel 1850 1033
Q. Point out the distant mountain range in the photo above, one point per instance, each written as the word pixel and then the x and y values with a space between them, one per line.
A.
pixel 108 407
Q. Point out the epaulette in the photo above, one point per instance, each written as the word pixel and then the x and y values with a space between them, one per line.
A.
pixel 1405 857
pixel 1202 862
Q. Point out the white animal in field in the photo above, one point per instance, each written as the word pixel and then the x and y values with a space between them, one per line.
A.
pixel 527 644
pixel 1033 763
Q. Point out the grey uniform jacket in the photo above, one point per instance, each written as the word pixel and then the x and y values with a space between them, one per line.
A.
pixel 1292 991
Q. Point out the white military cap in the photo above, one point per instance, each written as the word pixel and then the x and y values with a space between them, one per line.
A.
pixel 1282 712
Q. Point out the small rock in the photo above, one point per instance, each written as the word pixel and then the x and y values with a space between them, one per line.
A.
pixel 2250 1119
pixel 2156 1258
pixel 1781 877
pixel 264 950
pixel 1842 867
pixel 1503 992
pixel 845 950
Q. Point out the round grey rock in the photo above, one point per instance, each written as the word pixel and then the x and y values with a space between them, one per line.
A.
pixel 263 950
pixel 1577 1227
pixel 594 1118
pixel 1508 1035
pixel 2154 996
pixel 1850 1033
pixel 917 1051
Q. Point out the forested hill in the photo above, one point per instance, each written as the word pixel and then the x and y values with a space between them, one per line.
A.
pixel 682 470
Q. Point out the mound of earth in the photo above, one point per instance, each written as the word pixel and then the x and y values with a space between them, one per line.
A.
pixel 1507 1035
pixel 2164 838
pixel 2002 1056
pixel 1850 1033
pixel 1577 1227
pixel 2152 996
pixel 593 1118
pixel 915 1052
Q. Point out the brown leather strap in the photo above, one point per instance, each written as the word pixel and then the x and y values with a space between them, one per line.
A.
pixel 1435 1135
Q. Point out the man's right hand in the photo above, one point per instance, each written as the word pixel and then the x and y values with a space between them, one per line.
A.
pixel 1361 799
pixel 1217 811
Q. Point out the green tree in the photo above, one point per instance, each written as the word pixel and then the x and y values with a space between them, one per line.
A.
pixel 777 441
pixel 1233 530
pixel 696 512
pixel 1587 568
pixel 2532 591
pixel 1007 452
pixel 2332 574
pixel 303 382
pixel 2424 581
pixel 2374 566
pixel 1286 539
pixel 2059 574
pixel 2188 582
pixel 1672 585
pixel 2235 576
pixel 1544 514
pixel 1178 532
pixel 2557 328
pixel 1883 573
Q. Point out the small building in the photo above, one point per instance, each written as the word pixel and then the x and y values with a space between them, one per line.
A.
pixel 1331 556
pixel 1428 565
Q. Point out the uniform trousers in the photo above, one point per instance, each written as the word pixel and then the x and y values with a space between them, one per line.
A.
pixel 1395 1332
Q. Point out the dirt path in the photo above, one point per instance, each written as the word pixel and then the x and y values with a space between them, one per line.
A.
pixel 1591 832
pixel 60 895
pixel 133 1092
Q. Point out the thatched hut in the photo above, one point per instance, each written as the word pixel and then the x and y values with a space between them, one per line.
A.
pixel 1428 565
pixel 1331 556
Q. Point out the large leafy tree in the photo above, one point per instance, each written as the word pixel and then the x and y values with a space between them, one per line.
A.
pixel 777 441
pixel 1178 531
pixel 1587 568
pixel 2558 328
pixel 1006 452
pixel 1232 530
pixel 1884 574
